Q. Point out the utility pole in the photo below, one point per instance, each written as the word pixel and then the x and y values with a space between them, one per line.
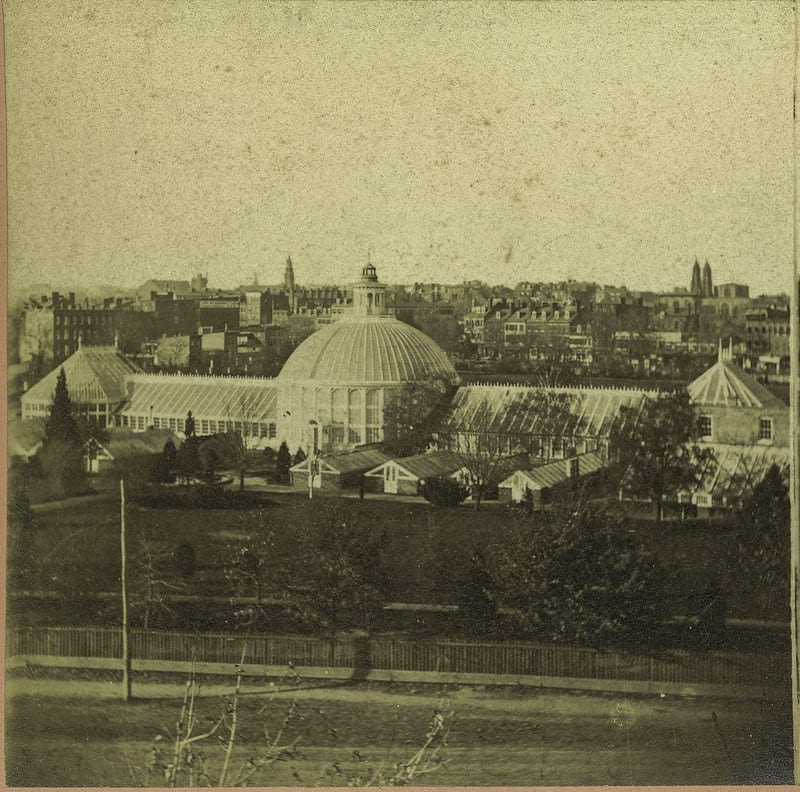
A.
pixel 794 424
pixel 126 645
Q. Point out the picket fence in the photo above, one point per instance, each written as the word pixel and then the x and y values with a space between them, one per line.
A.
pixel 767 670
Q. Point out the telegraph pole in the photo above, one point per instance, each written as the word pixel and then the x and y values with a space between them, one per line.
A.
pixel 126 645
pixel 794 423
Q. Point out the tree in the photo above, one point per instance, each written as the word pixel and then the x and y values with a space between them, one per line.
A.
pixel 161 471
pixel 474 596
pixel 764 536
pixel 20 560
pixel 658 447
pixel 187 460
pixel 299 457
pixel 336 577
pixel 61 425
pixel 225 450
pixel 444 491
pixel 411 416
pixel 482 450
pixel 151 579
pixel 169 454
pixel 62 467
pixel 61 455
pixel 247 570
pixel 283 463
pixel 578 576
pixel 189 429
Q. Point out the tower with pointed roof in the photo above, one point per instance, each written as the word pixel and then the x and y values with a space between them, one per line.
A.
pixel 696 286
pixel 289 286
pixel 708 286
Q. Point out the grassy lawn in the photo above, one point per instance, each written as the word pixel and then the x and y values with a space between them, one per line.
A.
pixel 429 548
pixel 79 734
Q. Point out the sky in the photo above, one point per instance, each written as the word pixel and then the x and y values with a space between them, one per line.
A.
pixel 610 141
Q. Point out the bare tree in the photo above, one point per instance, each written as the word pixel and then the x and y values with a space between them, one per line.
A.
pixel 181 759
pixel 483 451
pixel 152 580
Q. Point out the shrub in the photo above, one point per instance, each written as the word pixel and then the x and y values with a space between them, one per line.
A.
pixel 444 492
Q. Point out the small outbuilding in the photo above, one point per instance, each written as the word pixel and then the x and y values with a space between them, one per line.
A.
pixel 405 476
pixel 544 481
pixel 344 470
pixel 123 445
pixel 25 438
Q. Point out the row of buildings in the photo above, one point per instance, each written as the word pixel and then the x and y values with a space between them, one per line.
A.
pixel 185 326
pixel 330 398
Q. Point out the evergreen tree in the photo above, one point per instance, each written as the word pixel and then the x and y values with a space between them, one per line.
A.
pixel 160 473
pixel 61 424
pixel 283 463
pixel 299 456
pixel 188 429
pixel 187 460
pixel 169 454
pixel 61 455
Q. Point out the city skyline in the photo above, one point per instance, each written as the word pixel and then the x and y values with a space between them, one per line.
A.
pixel 610 143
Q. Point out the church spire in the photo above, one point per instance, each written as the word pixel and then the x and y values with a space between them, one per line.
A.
pixel 288 276
pixel 708 287
pixel 696 286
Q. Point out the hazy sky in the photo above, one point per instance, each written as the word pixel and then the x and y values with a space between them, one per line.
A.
pixel 530 141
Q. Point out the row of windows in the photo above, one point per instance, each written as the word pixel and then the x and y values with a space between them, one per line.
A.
pixel 206 427
pixel 779 330
pixel 81 318
pixel 765 430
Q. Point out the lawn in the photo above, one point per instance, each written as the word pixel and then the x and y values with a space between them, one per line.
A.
pixel 76 548
pixel 79 734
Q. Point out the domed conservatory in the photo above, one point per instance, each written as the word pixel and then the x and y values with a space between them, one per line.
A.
pixel 333 388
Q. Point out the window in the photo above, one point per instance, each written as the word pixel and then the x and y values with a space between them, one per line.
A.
pixel 765 429
pixel 355 435
pixel 705 426
pixel 336 434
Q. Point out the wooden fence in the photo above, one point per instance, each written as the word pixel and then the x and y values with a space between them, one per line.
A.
pixel 768 670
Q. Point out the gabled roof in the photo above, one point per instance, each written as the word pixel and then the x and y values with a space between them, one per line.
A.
pixel 520 410
pixel 25 437
pixel 94 375
pixel 430 465
pixel 736 469
pixel 726 385
pixel 557 472
pixel 220 398
pixel 123 443
pixel 347 461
